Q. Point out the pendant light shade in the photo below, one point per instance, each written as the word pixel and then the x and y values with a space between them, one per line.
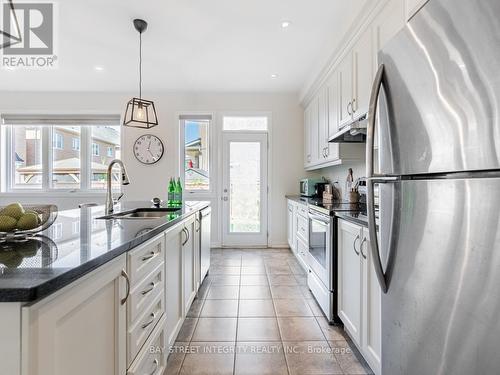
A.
pixel 140 113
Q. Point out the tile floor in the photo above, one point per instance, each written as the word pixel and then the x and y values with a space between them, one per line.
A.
pixel 254 315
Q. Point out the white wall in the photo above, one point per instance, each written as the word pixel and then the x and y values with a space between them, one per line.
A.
pixel 286 163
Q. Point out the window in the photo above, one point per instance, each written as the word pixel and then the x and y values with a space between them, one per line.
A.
pixel 26 160
pixel 109 137
pixel 26 141
pixel 58 141
pixel 66 163
pixel 95 149
pixel 196 161
pixel 248 123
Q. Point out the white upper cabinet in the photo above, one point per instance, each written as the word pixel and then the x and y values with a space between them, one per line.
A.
pixel 362 73
pixel 311 136
pixel 386 24
pixel 307 137
pixel 345 90
pixel 413 6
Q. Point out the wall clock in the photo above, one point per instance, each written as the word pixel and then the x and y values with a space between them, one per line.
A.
pixel 148 149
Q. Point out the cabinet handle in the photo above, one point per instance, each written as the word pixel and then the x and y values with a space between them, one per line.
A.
pixel 353 105
pixel 327 151
pixel 149 290
pixel 354 245
pixel 127 279
pixel 184 230
pixel 147 257
pixel 198 225
pixel 349 105
pixel 153 317
pixel 361 247
pixel 156 363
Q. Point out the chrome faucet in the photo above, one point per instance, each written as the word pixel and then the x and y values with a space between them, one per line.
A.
pixel 125 181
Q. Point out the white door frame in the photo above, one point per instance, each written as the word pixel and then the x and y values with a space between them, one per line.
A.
pixel 245 239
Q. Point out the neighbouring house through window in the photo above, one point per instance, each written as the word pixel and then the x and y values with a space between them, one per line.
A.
pixel 196 161
pixel 25 141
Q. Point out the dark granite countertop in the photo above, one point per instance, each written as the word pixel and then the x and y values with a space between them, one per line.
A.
pixel 356 216
pixel 76 244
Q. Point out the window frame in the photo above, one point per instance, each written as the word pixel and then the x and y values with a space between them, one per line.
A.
pixel 57 137
pixel 7 169
pixel 197 116
pixel 97 148
pixel 77 143
pixel 109 152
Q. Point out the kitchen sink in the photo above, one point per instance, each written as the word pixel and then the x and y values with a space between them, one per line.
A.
pixel 142 213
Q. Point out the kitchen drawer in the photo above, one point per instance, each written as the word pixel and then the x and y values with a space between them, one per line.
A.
pixel 303 229
pixel 145 293
pixel 144 259
pixel 302 251
pixel 139 332
pixel 302 210
pixel 321 293
pixel 153 357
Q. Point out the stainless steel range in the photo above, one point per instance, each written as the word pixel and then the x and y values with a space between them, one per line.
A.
pixel 322 256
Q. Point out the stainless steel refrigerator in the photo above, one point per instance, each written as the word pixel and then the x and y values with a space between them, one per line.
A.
pixel 436 104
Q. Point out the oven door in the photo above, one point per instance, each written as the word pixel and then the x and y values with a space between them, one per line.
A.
pixel 320 248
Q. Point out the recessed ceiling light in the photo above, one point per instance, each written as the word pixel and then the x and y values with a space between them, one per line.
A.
pixel 274 76
pixel 285 24
pixel 99 68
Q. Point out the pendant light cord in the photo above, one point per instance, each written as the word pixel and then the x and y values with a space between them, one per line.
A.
pixel 140 65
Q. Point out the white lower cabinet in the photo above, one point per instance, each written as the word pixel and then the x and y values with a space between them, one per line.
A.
pixel 298 231
pixel 152 360
pixel 188 261
pixel 119 319
pixel 359 294
pixel 291 225
pixel 80 330
pixel 174 281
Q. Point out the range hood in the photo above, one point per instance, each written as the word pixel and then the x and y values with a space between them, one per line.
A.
pixel 355 132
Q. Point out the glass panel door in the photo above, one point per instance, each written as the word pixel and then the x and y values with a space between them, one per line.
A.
pixel 245 189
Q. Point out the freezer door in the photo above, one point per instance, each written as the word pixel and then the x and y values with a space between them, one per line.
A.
pixel 442 91
pixel 441 312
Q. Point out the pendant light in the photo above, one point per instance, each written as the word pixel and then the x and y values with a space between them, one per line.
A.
pixel 140 113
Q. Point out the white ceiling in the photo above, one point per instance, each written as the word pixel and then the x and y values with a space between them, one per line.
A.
pixel 190 45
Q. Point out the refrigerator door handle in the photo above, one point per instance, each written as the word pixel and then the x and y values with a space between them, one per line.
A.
pixel 371 179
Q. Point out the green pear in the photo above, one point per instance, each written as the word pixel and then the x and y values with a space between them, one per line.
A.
pixel 37 215
pixel 28 221
pixel 14 210
pixel 7 223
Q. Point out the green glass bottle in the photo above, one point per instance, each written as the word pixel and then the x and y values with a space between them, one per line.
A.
pixel 179 192
pixel 171 193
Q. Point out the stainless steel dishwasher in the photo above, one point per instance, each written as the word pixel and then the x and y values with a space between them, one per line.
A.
pixel 205 219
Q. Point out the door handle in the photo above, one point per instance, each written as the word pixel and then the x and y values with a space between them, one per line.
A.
pixel 372 227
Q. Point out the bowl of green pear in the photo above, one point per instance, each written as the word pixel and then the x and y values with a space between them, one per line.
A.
pixel 18 222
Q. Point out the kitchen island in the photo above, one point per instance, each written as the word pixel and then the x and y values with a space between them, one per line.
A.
pixel 89 295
